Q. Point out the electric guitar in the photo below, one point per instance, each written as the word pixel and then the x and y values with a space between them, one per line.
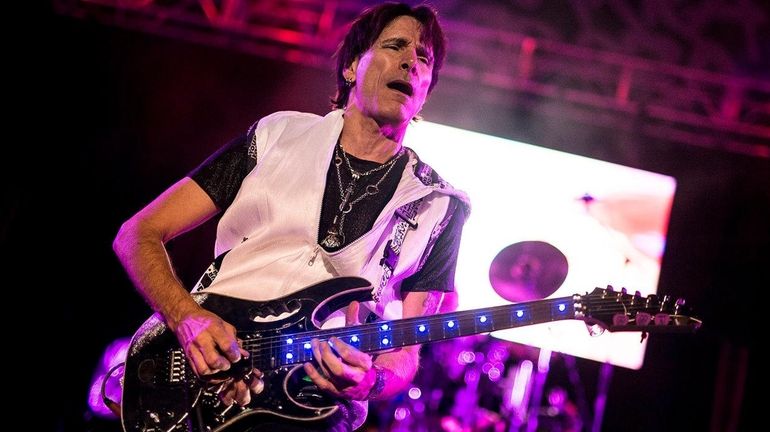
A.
pixel 161 392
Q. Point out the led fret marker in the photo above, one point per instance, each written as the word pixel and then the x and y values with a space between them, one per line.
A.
pixel 289 356
pixel 385 341
pixel 421 328
pixel 307 345
pixel 562 307
pixel 354 339
pixel 483 318
pixel 519 313
pixel 450 324
pixel 289 341
pixel 384 327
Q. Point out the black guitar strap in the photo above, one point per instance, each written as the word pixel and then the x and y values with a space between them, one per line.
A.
pixel 210 274
pixel 407 215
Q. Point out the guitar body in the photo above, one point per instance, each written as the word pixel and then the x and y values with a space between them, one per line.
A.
pixel 161 392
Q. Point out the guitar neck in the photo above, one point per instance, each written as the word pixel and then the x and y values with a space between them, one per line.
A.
pixel 287 350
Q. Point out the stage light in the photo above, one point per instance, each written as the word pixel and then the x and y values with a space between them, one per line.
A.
pixel 608 220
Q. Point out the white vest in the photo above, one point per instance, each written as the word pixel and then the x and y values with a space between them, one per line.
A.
pixel 271 228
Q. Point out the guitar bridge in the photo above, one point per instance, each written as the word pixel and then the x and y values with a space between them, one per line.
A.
pixel 177 367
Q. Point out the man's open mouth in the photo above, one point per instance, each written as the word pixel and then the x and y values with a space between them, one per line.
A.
pixel 401 86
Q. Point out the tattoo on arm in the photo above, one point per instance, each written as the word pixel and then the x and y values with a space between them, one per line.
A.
pixel 431 302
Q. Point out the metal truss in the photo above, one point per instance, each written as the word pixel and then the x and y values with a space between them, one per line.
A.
pixel 660 100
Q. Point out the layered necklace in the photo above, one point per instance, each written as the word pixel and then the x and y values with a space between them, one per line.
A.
pixel 335 236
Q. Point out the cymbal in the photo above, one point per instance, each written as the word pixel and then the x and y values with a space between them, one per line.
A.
pixel 528 270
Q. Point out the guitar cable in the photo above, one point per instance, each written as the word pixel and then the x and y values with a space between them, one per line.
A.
pixel 109 403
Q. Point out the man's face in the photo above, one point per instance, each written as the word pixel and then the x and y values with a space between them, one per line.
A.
pixel 393 75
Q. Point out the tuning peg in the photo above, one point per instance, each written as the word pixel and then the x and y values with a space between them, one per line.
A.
pixel 643 318
pixel 610 288
pixel 624 291
pixel 652 301
pixel 664 304
pixel 620 319
pixel 662 319
pixel 679 307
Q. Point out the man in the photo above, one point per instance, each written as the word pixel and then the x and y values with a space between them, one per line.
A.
pixel 309 198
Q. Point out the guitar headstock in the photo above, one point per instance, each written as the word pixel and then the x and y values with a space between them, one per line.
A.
pixel 619 311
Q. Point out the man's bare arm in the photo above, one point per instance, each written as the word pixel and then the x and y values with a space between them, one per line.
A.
pixel 140 246
pixel 401 365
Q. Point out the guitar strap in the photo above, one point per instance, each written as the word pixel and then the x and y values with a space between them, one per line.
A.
pixel 210 274
pixel 407 215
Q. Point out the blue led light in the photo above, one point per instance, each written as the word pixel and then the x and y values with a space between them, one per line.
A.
pixel 483 318
pixel 421 328
pixel 289 356
pixel 385 341
pixel 562 307
pixel 450 323
pixel 354 338
pixel 289 341
pixel 519 313
pixel 384 327
pixel 307 345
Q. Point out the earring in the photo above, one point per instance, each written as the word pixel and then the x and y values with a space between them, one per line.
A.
pixel 349 82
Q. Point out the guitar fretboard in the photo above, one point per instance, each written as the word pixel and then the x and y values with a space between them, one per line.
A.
pixel 286 350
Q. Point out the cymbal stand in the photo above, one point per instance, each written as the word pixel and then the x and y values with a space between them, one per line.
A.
pixel 600 403
pixel 538 385
pixel 523 392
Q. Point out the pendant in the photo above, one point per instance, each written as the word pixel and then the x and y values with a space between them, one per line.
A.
pixel 333 239
pixel 346 196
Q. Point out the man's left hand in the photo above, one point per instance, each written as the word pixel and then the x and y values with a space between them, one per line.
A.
pixel 341 369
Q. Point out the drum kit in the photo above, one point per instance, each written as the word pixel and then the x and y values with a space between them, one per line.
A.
pixel 482 383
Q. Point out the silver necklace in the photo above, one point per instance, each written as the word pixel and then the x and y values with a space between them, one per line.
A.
pixel 335 236
pixel 355 174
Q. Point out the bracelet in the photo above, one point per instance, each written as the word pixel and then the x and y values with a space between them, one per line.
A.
pixel 379 382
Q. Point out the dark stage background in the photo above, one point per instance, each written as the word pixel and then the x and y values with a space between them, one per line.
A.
pixel 125 114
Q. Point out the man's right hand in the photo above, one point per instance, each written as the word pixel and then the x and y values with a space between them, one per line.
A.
pixel 209 342
pixel 211 346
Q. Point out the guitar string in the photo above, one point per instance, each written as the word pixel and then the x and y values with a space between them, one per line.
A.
pixel 275 342
pixel 466 313
pixel 603 302
pixel 375 325
pixel 271 344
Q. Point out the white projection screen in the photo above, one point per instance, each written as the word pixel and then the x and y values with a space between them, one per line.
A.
pixel 608 220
